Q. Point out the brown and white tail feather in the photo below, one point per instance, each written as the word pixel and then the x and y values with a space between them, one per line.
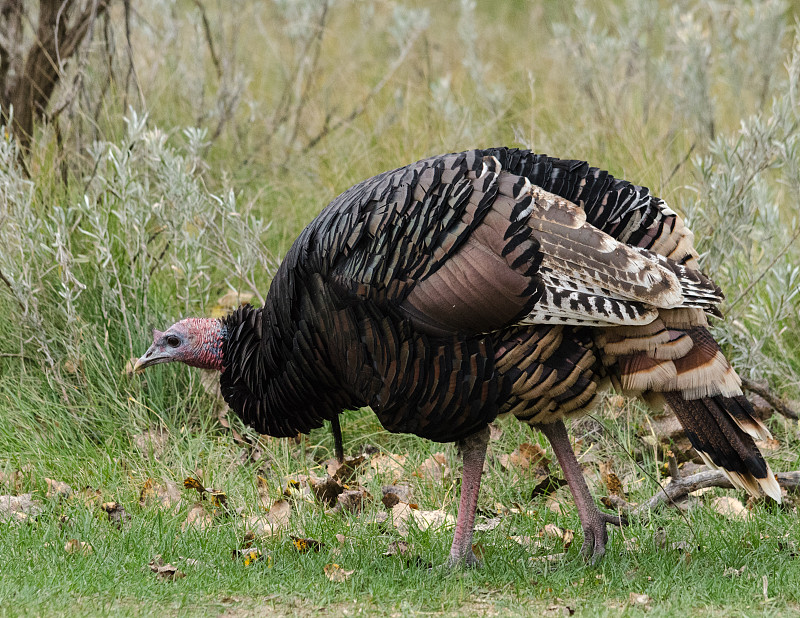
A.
pixel 714 427
pixel 687 368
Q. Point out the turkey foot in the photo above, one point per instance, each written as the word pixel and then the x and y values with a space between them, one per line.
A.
pixel 595 535
pixel 473 452
pixel 593 522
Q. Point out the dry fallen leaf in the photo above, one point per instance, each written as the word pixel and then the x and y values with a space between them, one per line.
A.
pixel 432 519
pixel 326 490
pixel 197 517
pixel 640 600
pixel 526 456
pixel 297 487
pixel 400 514
pixel 610 479
pixel 164 496
pixel 730 507
pixel 559 610
pixel 90 496
pixel 304 545
pixel 217 497
pixel 378 518
pixel 548 558
pixel 57 489
pixel 129 370
pixel 529 543
pixel 344 472
pixel 352 500
pixel 272 522
pixel 558 502
pixel 392 494
pixel 116 512
pixel 434 469
pixel 164 571
pixel 554 532
pixel 18 508
pixel 631 544
pixel 152 442
pixel 547 486
pixel 731 572
pixel 249 554
pixel 228 302
pixel 386 465
pixel 337 574
pixel 74 546
pixel 489 524
pixel 397 548
pixel 15 480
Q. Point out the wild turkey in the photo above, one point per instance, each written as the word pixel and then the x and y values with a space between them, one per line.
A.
pixel 470 285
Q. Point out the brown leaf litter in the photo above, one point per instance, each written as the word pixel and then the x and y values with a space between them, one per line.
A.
pixel 305 545
pixel 15 480
pixel 167 572
pixel 393 494
pixel 336 573
pixel 165 496
pixel 74 546
pixel 525 457
pixel 19 508
pixel 197 517
pixel 57 489
pixel 152 442
pixel 249 554
pixel 388 466
pixel 346 471
pixel 730 508
pixel 217 497
pixel 434 469
pixel 228 302
pixel 116 512
pixel 273 521
pixel 403 514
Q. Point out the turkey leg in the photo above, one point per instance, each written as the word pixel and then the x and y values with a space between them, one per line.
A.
pixel 473 452
pixel 593 521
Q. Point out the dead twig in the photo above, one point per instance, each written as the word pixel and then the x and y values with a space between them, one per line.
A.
pixel 771 398
pixel 359 109
pixel 13 292
pixel 768 269
pixel 209 38
pixel 681 487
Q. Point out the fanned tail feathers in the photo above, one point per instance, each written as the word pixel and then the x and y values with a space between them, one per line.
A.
pixel 721 429
pixel 688 368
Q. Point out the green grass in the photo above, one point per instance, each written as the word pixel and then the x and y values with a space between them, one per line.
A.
pixel 696 104
pixel 39 577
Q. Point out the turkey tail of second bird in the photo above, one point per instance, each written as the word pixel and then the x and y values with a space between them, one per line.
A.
pixel 681 362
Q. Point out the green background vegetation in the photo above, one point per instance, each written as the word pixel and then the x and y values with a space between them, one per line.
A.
pixel 178 169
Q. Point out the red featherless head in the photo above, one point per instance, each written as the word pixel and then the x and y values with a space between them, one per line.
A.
pixel 194 341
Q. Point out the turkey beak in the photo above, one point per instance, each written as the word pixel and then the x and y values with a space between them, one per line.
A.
pixel 153 356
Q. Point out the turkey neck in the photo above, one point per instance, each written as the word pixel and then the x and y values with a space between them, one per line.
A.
pixel 276 377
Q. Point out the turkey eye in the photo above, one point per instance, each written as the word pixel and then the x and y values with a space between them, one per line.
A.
pixel 173 341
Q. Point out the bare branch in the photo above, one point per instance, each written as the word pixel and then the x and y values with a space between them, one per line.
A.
pixel 56 41
pixel 362 106
pixel 11 287
pixel 682 487
pixel 768 269
pixel 209 38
